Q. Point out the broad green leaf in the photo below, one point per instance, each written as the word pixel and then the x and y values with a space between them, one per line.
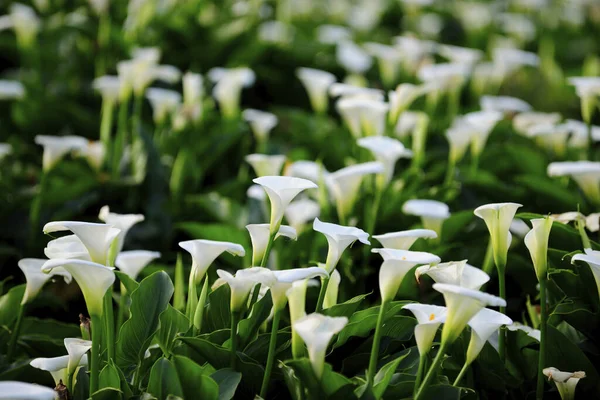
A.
pixel 109 377
pixel 248 327
pixel 172 323
pixel 147 302
pixel 107 393
pixel 291 381
pixel 130 284
pixel 217 314
pixel 331 385
pixel 10 304
pixel 194 382
pixel 347 308
pixel 258 349
pixel 164 380
pixel 49 328
pixel 384 376
pixel 228 381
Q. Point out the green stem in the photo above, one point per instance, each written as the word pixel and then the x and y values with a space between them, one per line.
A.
pixel 179 295
pixel 12 345
pixel 103 39
pixel 324 284
pixel 450 173
pixel 137 377
pixel 590 141
pixel 462 373
pixel 199 314
pixel 585 240
pixel 375 349
pixel 109 324
pixel 474 162
pixel 431 373
pixel 502 293
pixel 265 258
pixel 254 298
pixel 235 319
pixel 421 371
pixel 108 107
pixel 271 355
pixel 121 138
pixel 192 299
pixel 122 307
pixel 137 114
pixel 95 352
pixel 36 209
pixel 70 381
pixel 543 325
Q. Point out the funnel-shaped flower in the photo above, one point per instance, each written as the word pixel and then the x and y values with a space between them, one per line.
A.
pixel 13 390
pixel 353 58
pixel 93 280
pixel 429 318
pixel 498 217
pixel 446 75
pixel 266 165
pixel 57 366
pixel 433 213
pixel 300 212
pixel 403 240
pixel 588 90
pixel 243 281
pixel 76 348
pixel 25 23
pixel 462 305
pixel 124 222
pixel 316 82
pixel 585 173
pixel 317 330
pixel 387 151
pixel 97 238
pixel 333 287
pixel 259 236
pixel 261 123
pixel 388 60
pixel 338 238
pixel 396 264
pixel 10 90
pixel 296 296
pixel 204 252
pixel 134 261
pixel 286 278
pixel 363 116
pixel 460 136
pixel 536 241
pixel 483 325
pixel 164 103
pixel 36 279
pixel 193 92
pixel 5 149
pixel 482 123
pixel 401 98
pixel 228 87
pixel 524 122
pixel 346 90
pixel 344 184
pixel 310 170
pixel 56 147
pixel 460 55
pixel 566 382
pixel 505 104
pixel 281 191
pixel 68 246
pixel 592 258
pixel 457 273
pixel 109 87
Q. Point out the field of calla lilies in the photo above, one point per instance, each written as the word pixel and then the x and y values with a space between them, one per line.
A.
pixel 299 199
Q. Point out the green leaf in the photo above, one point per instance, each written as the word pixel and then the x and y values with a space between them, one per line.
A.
pixel 10 304
pixel 384 376
pixel 217 311
pixel 347 308
pixel 330 385
pixel 194 381
pixel 248 327
pixel 82 385
pixel 107 394
pixel 453 225
pixel 109 377
pixel 437 392
pixel 172 323
pixel 147 302
pixel 228 381
pixel 50 328
pixel 130 284
pixel 164 380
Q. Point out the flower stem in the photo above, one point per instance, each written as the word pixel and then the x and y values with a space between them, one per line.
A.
pixel 108 107
pixel 109 324
pixel 431 373
pixel 271 355
pixel 543 324
pixel 192 299
pixel 235 319
pixel 462 373
pixel 265 257
pixel 324 284
pixel 12 346
pixel 95 352
pixel 36 208
pixel 502 293
pixel 122 306
pixel 199 312
pixel 420 371
pixel 450 173
pixel 375 348
pixel 121 138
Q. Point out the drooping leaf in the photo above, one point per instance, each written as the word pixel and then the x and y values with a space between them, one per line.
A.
pixel 10 304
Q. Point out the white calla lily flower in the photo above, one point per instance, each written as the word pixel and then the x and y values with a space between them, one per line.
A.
pixel 455 273
pixel 124 222
pixel 524 122
pixel 403 240
pixel 193 93
pixel 304 169
pixel 228 87
pixel 433 213
pixel 317 330
pixel 286 278
pixel 56 147
pixel 243 281
pixel 333 287
pixel 134 261
pixel 296 296
pixel 347 90
pixel 353 58
pixel 387 151
pixel 338 238
pixel 36 279
pixel 11 90
pixel 300 212
pixel 281 191
pixel 164 103
pixel 402 97
pixel 58 366
pixel 261 123
pixel 76 348
pixel 93 279
pixel 388 59
pixel 585 173
pixel 588 90
pixel 266 165
pixel 13 390
pixel 566 382
pixel 460 55
pixel 259 236
pixel 483 325
pixel 25 22
pixel 97 238
pixel 482 123
pixel 5 150
pixel 497 218
pixel 317 83
pixel 333 34
pixel 204 252
pixel 536 241
pixel 532 333
pixel 462 305
pixel 505 104
pixel 446 75
pixel 109 87
pixel 94 153
pixel 429 318
pixel 363 116
pixel 592 258
pixel 68 246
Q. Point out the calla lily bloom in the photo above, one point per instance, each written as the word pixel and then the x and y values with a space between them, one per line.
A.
pixel 310 170
pixel 93 279
pixel 498 217
pixel 401 99
pixel 396 264
pixel 460 55
pixel 56 147
pixel 300 212
pixel 387 151
pixel 193 93
pixel 455 273
pixel 261 123
pixel 281 191
pixel 76 348
pixel 259 236
pixel 204 252
pixel 109 87
pixel 10 90
pixel 338 238
pixel 333 34
pixel 242 283
pixel 346 90
pixel 68 246
pixel 317 83
pixel 363 116
pixel 13 390
pixel 134 261
pixel 285 280
pixel 592 258
pixel 97 238
pixel 429 318
pixel 124 222
pixel 526 121
pixel 588 90
pixel 459 136
pixel 566 382
pixel 317 330
pixel 296 296
pixel 333 287
pixel 585 173
pixel 25 23
pixel 266 165
pixel 228 87
pixel 403 240
pixel 462 305
pixel 5 149
pixel 164 103
pixel 58 366
pixel 353 58
pixel 536 241
pixel 482 124
pixel 36 279
pixel 483 325
pixel 532 333
pixel 388 59
pixel 433 213
pixel 504 104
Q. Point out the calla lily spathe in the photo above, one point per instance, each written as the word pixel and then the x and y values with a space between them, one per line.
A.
pixel 109 87
pixel 266 165
pixel 259 236
pixel 261 123
pixel 311 170
pixel 482 123
pixel 505 104
pixel 36 279
pixel 228 87
pixel 286 278
pixel 401 99
pixel 93 279
pixel 76 349
pixel 242 283
pixel 281 191
pixel 387 151
pixel 536 241
pixel 124 222
pixel 592 258
pixel 13 390
pixel 204 252
pixel 498 217
pixel 317 83
pixel 403 240
pixel 300 212
pixel 455 273
pixel 56 147
pixel 588 90
pixel 97 238
pixel 566 382
pixel 363 116
pixel 429 318
pixel 483 325
pixel 134 261
pixel 11 90
pixel 338 238
pixel 346 90
pixel 68 246
pixel 317 330
pixel 58 366
pixel 296 296
pixel 164 103
pixel 585 173
pixel 333 288
pixel 433 213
